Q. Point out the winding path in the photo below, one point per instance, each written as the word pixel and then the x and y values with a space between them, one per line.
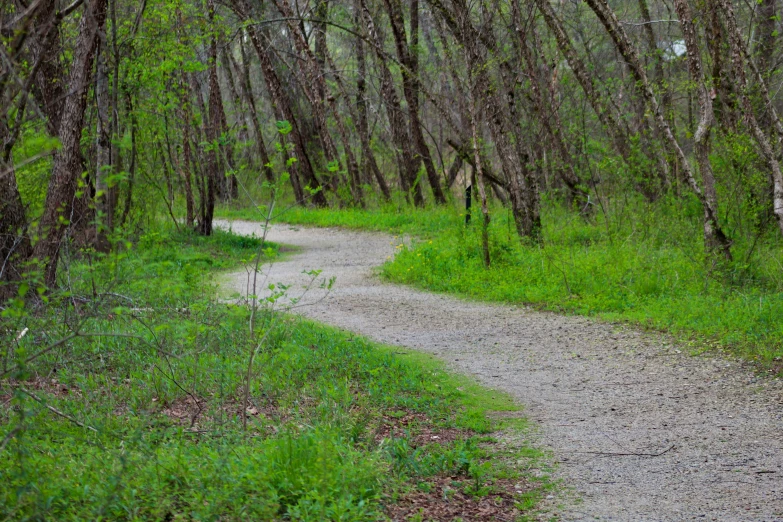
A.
pixel 640 430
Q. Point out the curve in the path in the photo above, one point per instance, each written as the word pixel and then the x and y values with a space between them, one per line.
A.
pixel 640 430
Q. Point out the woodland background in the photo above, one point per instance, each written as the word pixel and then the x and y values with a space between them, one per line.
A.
pixel 624 159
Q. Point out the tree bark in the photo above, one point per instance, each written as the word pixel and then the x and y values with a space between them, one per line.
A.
pixel 521 184
pixel 739 54
pixel 706 117
pixel 247 93
pixel 133 159
pixel 714 235
pixel 363 128
pixel 725 104
pixel 212 132
pixel 549 119
pixel 284 111
pixel 400 137
pixel 315 90
pixel 408 56
pixel 50 80
pixel 14 239
pixel 186 117
pixel 605 116
pixel 103 204
pixel 479 174
pixel 241 117
pixel 766 11
pixel 60 195
pixel 319 29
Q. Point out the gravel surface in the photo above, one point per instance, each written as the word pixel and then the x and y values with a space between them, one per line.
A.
pixel 640 430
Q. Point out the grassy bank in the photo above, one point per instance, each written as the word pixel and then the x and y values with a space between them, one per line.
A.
pixel 646 267
pixel 125 399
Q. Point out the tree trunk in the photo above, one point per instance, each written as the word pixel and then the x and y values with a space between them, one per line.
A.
pixel 408 56
pixel 186 117
pixel 50 81
pixel 240 116
pixel 713 233
pixel 247 93
pixel 662 88
pixel 133 159
pixel 739 54
pixel 284 111
pixel 315 90
pixel 58 206
pixel 521 185
pixel 605 116
pixel 14 239
pixel 766 12
pixel 103 203
pixel 212 132
pixel 549 119
pixel 226 180
pixel 475 92
pixel 725 104
pixel 319 28
pixel 400 137
pixel 706 118
pixel 362 125
pixel 114 114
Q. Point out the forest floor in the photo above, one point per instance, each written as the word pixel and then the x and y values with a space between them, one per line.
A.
pixel 640 428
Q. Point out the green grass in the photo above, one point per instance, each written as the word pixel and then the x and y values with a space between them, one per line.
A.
pixel 389 218
pixel 151 426
pixel 646 266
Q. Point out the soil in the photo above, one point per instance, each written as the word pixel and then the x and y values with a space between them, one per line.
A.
pixel 639 428
pixel 444 500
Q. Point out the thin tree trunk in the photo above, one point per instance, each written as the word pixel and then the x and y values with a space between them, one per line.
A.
pixel 661 86
pixel 656 56
pixel 408 56
pixel 766 12
pixel 212 132
pixel 713 233
pixel 725 103
pixel 475 92
pixel 580 70
pixel 247 93
pixel 103 203
pixel 14 239
pixel 114 115
pixel 521 185
pixel 225 181
pixel 133 159
pixel 315 90
pixel 319 28
pixel 740 54
pixel 400 137
pixel 283 107
pixel 706 116
pixel 241 116
pixel 186 170
pixel 550 119
pixel 50 80
pixel 363 128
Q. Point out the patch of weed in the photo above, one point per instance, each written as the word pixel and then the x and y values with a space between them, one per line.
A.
pixel 125 400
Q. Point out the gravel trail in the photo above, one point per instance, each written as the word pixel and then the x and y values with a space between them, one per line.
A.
pixel 641 431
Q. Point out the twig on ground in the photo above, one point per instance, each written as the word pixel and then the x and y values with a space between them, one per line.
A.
pixel 611 454
pixel 56 411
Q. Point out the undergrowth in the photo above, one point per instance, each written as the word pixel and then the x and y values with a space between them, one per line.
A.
pixel 139 413
pixel 639 263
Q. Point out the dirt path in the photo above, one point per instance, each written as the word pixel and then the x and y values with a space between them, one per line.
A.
pixel 640 430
